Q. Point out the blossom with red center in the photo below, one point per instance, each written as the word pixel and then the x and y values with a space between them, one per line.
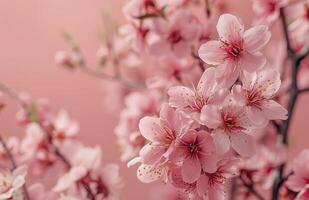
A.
pixel 236 51
pixel 208 92
pixel 175 36
pixel 196 151
pixel 257 93
pixel 161 132
pixel 214 185
pixel 231 126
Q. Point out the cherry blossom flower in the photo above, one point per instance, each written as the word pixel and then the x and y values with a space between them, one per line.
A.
pixel 214 185
pixel 137 105
pixel 268 10
pixel 12 182
pixel 300 177
pixel 231 127
pixel 175 36
pixel 64 127
pixel 236 51
pixel 257 93
pixel 208 92
pixel 196 151
pixel 162 133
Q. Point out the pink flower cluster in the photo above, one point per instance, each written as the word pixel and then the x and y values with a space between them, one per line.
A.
pixel 50 147
pixel 204 99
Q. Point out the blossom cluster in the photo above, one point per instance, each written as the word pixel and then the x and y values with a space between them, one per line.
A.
pixel 207 100
pixel 50 147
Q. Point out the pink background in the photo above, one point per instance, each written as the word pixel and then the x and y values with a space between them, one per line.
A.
pixel 30 36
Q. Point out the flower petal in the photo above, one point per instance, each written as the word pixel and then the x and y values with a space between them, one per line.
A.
pixel 222 141
pixel 256 37
pixel 210 116
pixel 227 73
pixel 274 110
pixel 212 53
pixel 180 97
pixel 191 169
pixel 242 144
pixel 252 62
pixel 150 127
pixel 229 28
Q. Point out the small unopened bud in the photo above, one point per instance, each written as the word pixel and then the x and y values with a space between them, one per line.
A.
pixel 65 59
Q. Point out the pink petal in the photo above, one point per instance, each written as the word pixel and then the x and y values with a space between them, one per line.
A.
pixel 152 153
pixel 180 97
pixel 212 53
pixel 209 163
pixel 206 81
pixel 304 194
pixel 150 173
pixel 256 37
pixel 150 127
pixel 219 96
pixel 202 185
pixel 217 192
pixel 257 116
pixel 274 110
pixel 242 144
pixel 191 170
pixel 252 62
pixel 238 94
pixel 222 141
pixel 210 116
pixel 296 182
pixel 229 28
pixel 160 48
pixel 181 49
pixel 227 73
pixel 270 80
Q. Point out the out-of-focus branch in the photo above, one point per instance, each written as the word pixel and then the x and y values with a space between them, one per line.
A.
pixel 81 63
pixel 251 188
pixel 294 93
pixel 13 163
pixel 11 93
pixel 207 8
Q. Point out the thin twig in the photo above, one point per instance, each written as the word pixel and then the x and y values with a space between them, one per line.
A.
pixel 207 8
pixel 304 90
pixel 81 63
pixel 251 188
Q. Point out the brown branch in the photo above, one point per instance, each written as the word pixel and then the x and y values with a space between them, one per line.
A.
pixel 251 188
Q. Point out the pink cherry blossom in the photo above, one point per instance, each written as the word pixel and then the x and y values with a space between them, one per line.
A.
pixel 175 36
pixel 268 10
pixel 257 93
pixel 207 92
pixel 64 127
pixel 214 185
pixel 231 127
pixel 236 51
pixel 196 151
pixel 300 177
pixel 161 133
pixel 12 182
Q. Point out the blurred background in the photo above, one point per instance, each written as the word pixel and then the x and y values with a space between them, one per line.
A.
pixel 31 34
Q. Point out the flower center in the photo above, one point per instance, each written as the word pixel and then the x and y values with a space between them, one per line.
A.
pixel 254 98
pixel 199 102
pixel 149 5
pixel 271 6
pixel 233 50
pixel 216 178
pixel 230 123
pixel 174 37
pixel 194 148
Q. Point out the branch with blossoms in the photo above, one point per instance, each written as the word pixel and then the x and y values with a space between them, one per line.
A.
pixel 51 139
